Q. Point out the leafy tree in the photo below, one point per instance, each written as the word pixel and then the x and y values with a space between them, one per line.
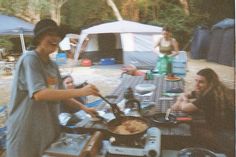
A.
pixel 130 10
pixel 213 10
pixel 6 43
pixel 80 13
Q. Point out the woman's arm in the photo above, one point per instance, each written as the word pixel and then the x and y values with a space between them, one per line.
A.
pixel 73 103
pixel 57 94
pixel 183 103
pixel 184 106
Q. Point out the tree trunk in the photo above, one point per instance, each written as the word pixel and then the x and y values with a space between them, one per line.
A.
pixel 130 10
pixel 114 8
pixel 56 10
pixel 185 5
pixel 33 11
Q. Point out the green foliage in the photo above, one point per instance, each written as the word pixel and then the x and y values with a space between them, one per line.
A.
pixel 14 6
pixel 77 14
pixel 214 10
pixel 6 43
pixel 80 13
pixel 171 13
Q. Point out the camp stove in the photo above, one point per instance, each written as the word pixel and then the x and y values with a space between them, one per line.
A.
pixel 148 146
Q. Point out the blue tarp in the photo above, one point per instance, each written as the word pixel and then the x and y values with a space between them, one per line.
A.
pixel 224 24
pixel 200 43
pixel 221 47
pixel 11 25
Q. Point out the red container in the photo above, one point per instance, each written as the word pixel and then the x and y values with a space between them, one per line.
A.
pixel 86 62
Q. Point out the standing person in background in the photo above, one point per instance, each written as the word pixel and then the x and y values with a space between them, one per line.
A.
pixel 217 104
pixel 168 47
pixel 36 94
pixel 167 44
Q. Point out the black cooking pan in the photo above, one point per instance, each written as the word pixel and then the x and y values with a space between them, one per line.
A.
pixel 159 119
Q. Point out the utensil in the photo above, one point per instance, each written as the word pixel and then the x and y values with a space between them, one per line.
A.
pixel 102 119
pixel 167 114
pixel 115 109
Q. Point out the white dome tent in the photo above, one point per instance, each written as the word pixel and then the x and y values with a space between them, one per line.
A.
pixel 136 40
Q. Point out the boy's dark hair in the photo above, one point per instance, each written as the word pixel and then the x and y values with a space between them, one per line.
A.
pixel 45 26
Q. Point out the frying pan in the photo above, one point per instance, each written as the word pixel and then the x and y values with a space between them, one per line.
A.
pixel 119 118
pixel 115 122
pixel 159 119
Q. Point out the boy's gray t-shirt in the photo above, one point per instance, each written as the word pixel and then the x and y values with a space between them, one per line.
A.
pixel 32 125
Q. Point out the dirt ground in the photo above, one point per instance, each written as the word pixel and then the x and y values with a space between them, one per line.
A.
pixel 106 78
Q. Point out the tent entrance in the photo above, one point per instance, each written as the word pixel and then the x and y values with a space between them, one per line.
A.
pixel 105 45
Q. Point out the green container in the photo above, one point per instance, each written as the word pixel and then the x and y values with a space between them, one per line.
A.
pixel 164 65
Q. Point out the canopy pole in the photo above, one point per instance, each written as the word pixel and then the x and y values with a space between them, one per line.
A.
pixel 22 42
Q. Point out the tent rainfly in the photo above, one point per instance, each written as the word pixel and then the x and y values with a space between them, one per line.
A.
pixel 14 26
pixel 137 40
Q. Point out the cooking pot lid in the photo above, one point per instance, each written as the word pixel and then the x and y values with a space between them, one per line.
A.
pixel 145 87
pixel 195 152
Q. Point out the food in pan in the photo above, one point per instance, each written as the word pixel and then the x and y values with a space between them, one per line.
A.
pixel 130 126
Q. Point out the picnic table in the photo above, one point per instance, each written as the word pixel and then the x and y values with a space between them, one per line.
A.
pixel 181 129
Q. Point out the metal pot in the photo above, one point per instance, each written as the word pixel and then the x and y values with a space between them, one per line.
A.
pixel 196 152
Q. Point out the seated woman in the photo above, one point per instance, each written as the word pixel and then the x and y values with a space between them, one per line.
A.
pixel 68 83
pixel 217 104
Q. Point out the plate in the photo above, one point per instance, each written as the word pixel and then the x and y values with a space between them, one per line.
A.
pixel 176 78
